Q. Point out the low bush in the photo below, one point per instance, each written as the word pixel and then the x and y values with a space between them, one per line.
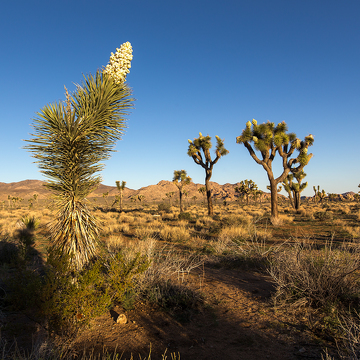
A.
pixel 317 278
pixel 164 207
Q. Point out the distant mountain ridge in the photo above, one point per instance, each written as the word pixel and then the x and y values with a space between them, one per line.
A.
pixel 27 188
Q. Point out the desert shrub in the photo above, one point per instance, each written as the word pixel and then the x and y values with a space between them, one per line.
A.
pixel 69 301
pixel 174 233
pixel 178 300
pixel 143 232
pixel 352 231
pixel 9 252
pixel 233 233
pixel 282 219
pixel 317 278
pixel 23 290
pixel 185 216
pixel 122 273
pixel 323 215
pixel 165 207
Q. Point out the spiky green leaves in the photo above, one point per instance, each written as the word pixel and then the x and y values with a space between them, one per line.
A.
pixel 203 144
pixel 69 142
pixel 181 178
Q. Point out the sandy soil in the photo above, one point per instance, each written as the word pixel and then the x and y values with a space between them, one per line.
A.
pixel 239 322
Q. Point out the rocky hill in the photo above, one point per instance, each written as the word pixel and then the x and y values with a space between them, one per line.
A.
pixel 152 193
pixel 27 188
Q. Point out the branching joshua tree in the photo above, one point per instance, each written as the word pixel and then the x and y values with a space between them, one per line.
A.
pixel 320 195
pixel 70 141
pixel 121 188
pixel 181 179
pixel 169 195
pixel 294 189
pixel 199 150
pixel 202 191
pixel 246 188
pixel 269 139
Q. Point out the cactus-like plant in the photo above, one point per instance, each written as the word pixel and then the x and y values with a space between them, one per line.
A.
pixel 121 188
pixel 320 195
pixel 70 141
pixel 199 150
pixel 294 189
pixel 268 140
pixel 246 188
pixel 181 179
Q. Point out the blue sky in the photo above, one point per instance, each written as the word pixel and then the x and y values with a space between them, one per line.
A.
pixel 199 66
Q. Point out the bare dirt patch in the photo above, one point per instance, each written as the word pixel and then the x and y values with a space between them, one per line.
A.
pixel 239 322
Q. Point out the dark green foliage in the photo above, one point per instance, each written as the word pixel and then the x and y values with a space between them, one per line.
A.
pixel 71 301
pixel 164 207
pixel 9 252
pixel 185 216
pixel 122 273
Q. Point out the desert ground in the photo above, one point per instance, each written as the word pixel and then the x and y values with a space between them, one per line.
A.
pixel 231 286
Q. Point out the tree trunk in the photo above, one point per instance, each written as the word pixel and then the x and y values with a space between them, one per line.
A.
pixel 297 200
pixel 291 199
pixel 208 193
pixel 274 199
pixel 180 196
pixel 120 201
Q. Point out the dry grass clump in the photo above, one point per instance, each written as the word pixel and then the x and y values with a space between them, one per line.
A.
pixel 205 221
pixel 352 231
pixel 143 232
pixel 48 350
pixel 306 212
pixel 233 233
pixel 357 214
pixel 174 233
pixel 315 277
pixel 282 219
pixel 326 282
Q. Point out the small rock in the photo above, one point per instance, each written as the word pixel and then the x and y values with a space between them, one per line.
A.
pixel 302 350
pixel 121 319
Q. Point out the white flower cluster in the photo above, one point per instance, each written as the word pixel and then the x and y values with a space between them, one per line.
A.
pixel 120 63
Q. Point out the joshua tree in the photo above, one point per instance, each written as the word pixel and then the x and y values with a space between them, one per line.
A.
pixel 120 187
pixel 202 191
pixel 294 189
pixel 269 139
pixel 246 188
pixel 181 179
pixel 70 141
pixel 200 145
pixel 320 195
pixel 194 199
pixel 169 195
pixel 141 197
pixel 105 195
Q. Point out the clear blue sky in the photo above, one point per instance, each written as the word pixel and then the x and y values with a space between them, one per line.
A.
pixel 199 65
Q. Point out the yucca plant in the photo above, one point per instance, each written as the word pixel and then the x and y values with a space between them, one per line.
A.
pixel 69 142
pixel 181 179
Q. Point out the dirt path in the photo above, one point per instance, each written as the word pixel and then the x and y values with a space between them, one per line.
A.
pixel 239 324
